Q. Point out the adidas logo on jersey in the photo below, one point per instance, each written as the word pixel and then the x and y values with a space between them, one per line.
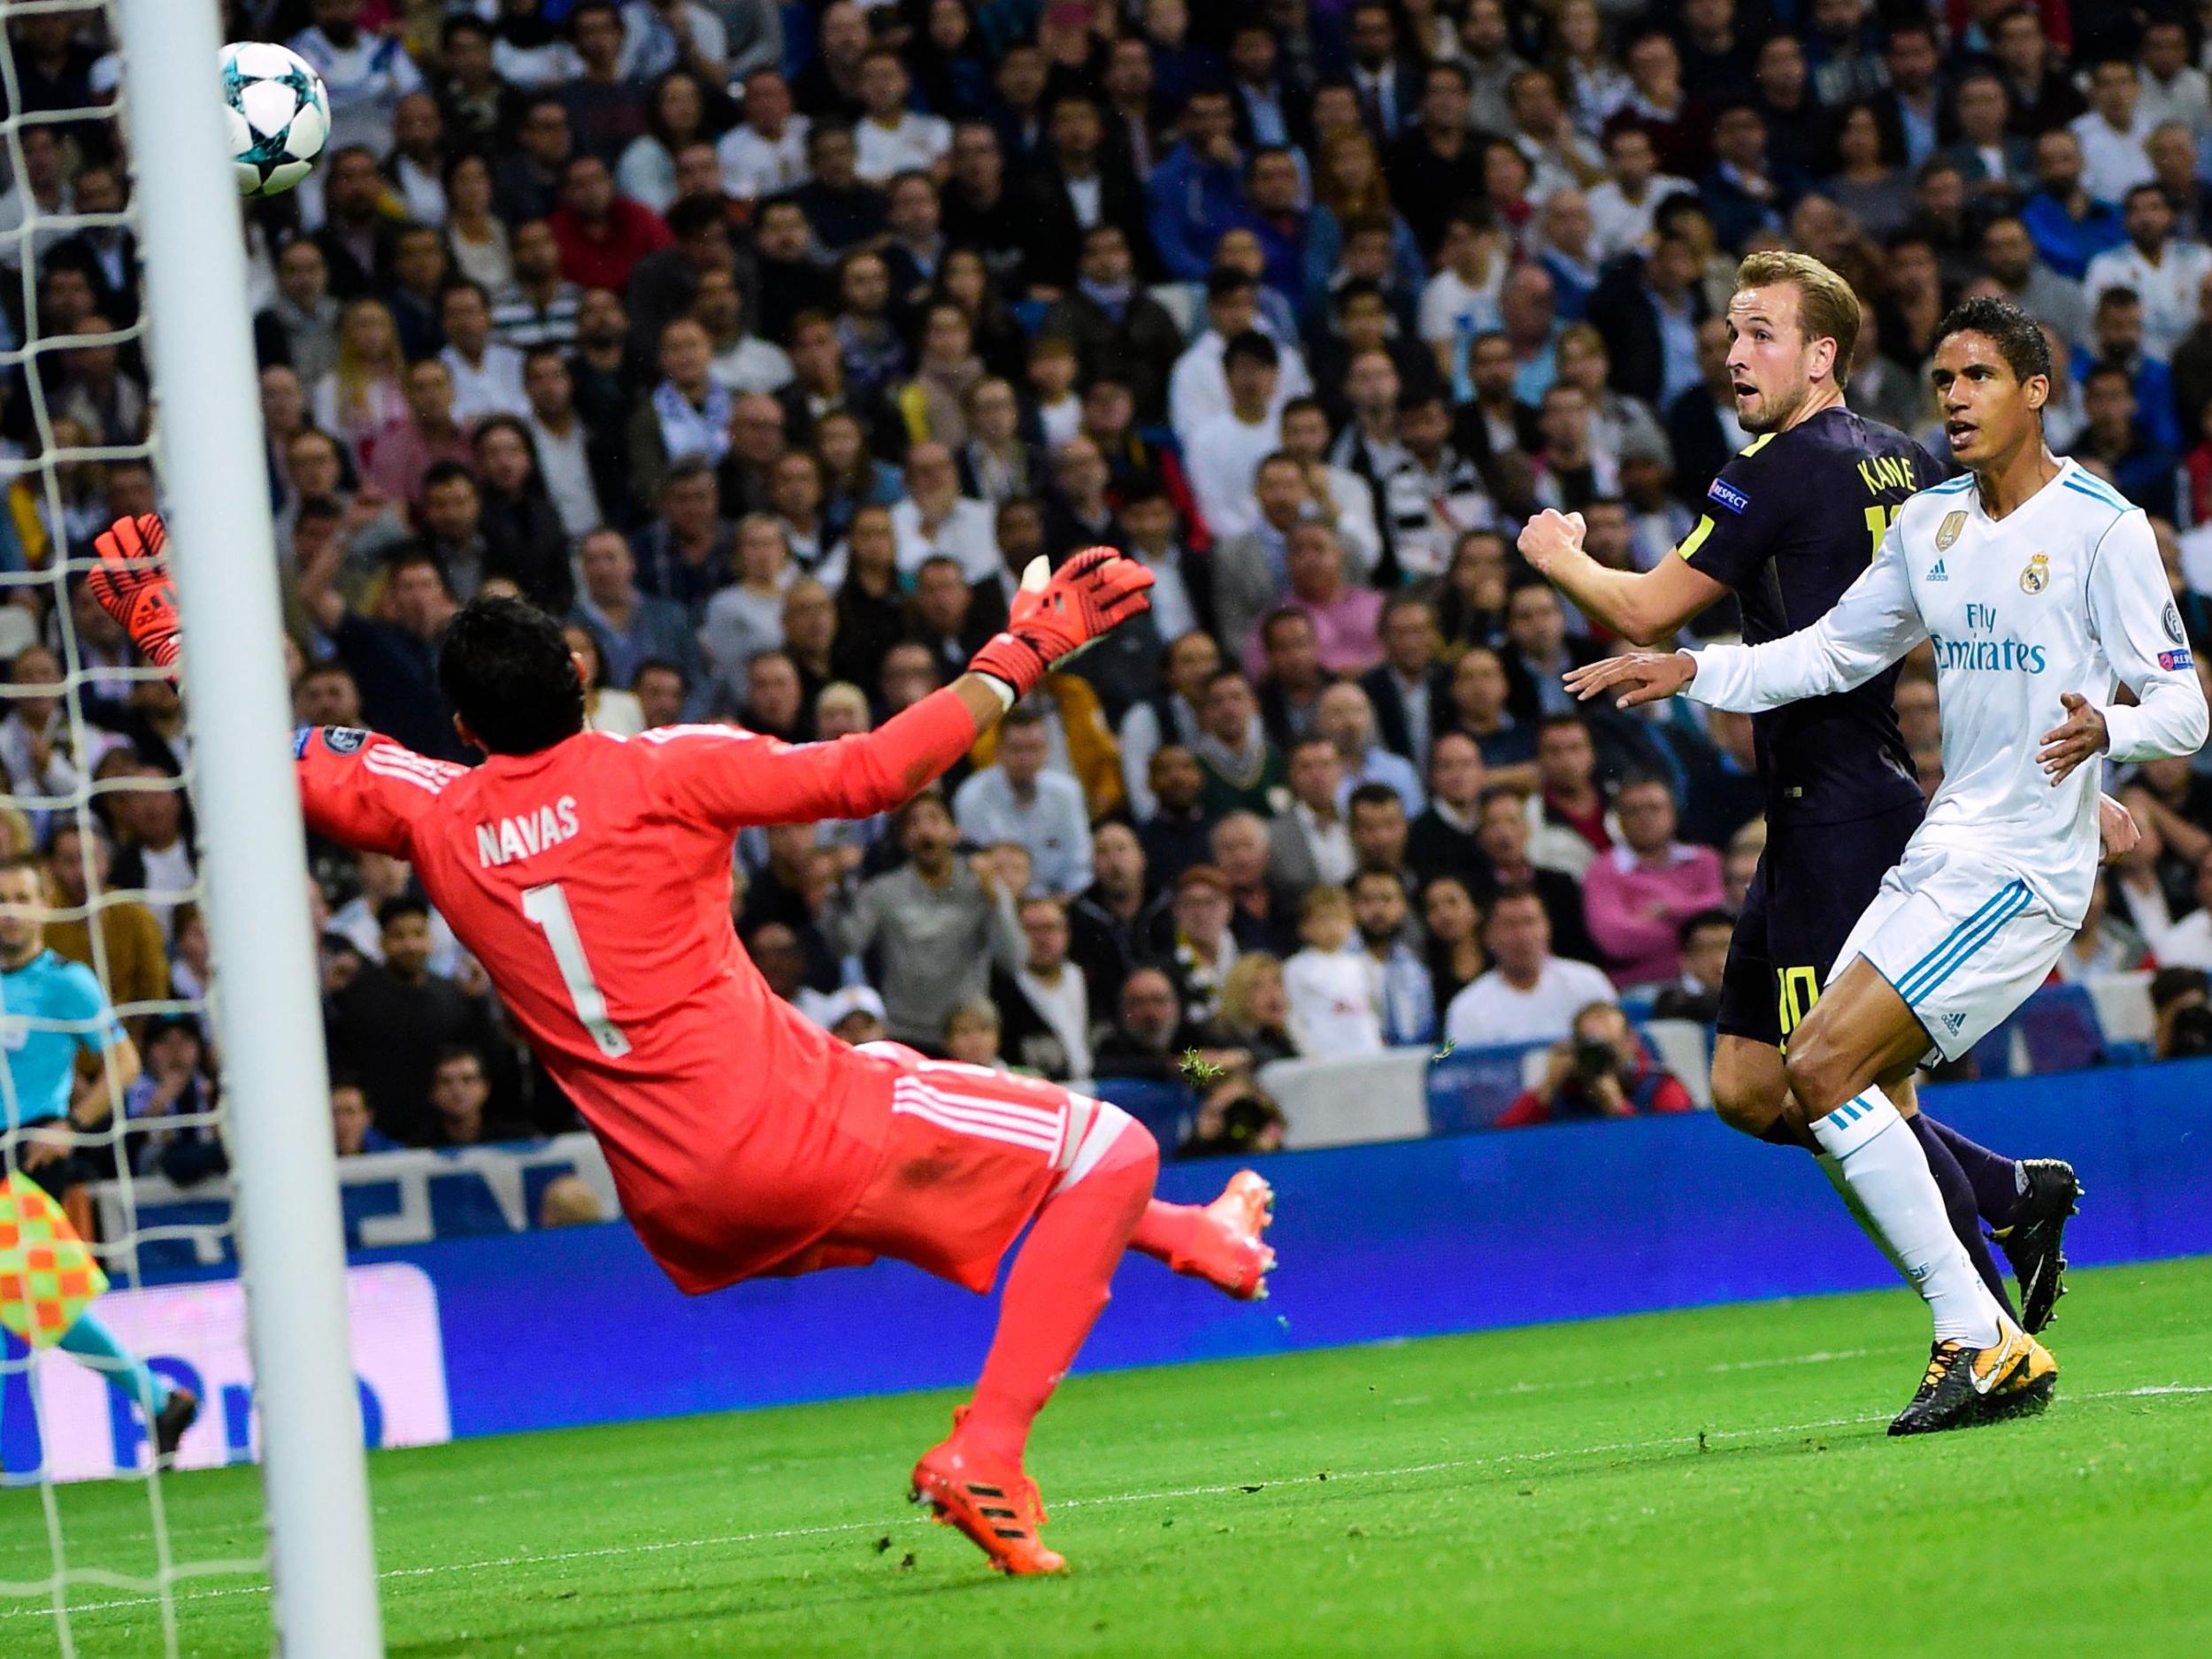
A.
pixel 1937 573
pixel 1954 1023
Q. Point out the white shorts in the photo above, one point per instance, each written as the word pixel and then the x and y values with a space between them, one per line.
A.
pixel 1962 939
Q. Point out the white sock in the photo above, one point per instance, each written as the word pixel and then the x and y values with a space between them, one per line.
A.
pixel 1880 1161
pixel 1833 1170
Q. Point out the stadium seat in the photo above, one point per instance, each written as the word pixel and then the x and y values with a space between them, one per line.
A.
pixel 2123 1009
pixel 1165 1109
pixel 1684 1048
pixel 2059 1028
pixel 1338 1103
pixel 1469 1088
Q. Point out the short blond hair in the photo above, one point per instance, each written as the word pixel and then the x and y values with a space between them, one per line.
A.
pixel 1826 307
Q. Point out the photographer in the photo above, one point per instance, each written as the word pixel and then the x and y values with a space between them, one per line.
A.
pixel 1601 1071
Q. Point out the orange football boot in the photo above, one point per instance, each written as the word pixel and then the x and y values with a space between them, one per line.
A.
pixel 1226 1249
pixel 990 1500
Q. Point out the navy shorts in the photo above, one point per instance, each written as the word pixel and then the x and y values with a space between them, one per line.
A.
pixel 1813 883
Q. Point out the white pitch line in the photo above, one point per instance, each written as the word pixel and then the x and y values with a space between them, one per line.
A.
pixel 1509 1391
pixel 660 1547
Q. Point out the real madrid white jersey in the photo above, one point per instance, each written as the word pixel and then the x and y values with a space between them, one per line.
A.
pixel 2065 593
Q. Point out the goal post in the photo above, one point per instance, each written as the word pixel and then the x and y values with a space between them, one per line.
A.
pixel 253 862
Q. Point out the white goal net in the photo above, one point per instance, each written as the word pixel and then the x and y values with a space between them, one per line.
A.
pixel 116 1070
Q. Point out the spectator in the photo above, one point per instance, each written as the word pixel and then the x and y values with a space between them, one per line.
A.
pixel 1345 618
pixel 486 374
pixel 1264 907
pixel 632 627
pixel 1695 992
pixel 1332 987
pixel 1347 721
pixel 1572 826
pixel 1600 1070
pixel 394 663
pixel 1255 1010
pixel 1405 996
pixel 1198 387
pixel 299 328
pixel 2113 131
pixel 1443 839
pixel 460 1101
pixel 353 1127
pixel 1504 835
pixel 973 1032
pixel 1049 1013
pixel 1120 331
pixel 936 924
pixel 1240 767
pixel 1152 1042
pixel 1224 451
pixel 1638 895
pixel 603 235
pixel 131 954
pixel 1117 922
pixel 1452 924
pixel 391 1023
pixel 1170 715
pixel 1531 995
pixel 2163 274
pixel 1204 947
pixel 2187 944
pixel 765 155
pixel 1019 799
pixel 2071 224
pixel 2102 945
pixel 1311 843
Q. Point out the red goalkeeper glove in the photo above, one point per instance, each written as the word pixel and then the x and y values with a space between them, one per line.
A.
pixel 1095 592
pixel 132 585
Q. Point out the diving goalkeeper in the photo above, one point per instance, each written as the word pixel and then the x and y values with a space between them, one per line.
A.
pixel 590 874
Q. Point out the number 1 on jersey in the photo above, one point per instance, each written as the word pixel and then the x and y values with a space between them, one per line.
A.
pixel 547 907
pixel 1878 520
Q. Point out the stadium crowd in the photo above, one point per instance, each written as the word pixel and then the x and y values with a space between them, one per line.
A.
pixel 768 343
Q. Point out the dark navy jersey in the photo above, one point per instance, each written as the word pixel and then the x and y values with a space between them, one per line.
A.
pixel 1790 524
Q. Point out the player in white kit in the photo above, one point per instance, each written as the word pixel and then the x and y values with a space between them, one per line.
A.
pixel 2040 590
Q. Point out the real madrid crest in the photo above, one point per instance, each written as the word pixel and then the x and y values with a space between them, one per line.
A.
pixel 2037 576
pixel 1953 523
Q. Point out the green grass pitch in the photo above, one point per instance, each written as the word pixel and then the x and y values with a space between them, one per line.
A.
pixel 1709 1483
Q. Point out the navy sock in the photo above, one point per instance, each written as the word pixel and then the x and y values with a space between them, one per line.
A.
pixel 1958 1204
pixel 1995 1177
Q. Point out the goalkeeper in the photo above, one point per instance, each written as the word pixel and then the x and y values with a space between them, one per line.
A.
pixel 590 875
pixel 52 1009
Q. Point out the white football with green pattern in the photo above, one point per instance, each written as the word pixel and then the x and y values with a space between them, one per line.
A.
pixel 279 116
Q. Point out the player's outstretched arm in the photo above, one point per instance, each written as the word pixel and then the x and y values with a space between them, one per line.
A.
pixel 1875 623
pixel 746 779
pixel 1647 607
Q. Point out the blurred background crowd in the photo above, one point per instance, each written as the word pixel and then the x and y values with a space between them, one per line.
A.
pixel 766 343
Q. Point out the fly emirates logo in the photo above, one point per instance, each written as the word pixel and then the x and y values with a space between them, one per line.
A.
pixel 503 840
pixel 1985 651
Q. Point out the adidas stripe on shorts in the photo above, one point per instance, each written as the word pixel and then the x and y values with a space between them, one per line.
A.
pixel 1962 938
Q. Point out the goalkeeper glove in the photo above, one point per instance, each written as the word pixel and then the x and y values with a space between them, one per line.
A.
pixel 1052 619
pixel 132 585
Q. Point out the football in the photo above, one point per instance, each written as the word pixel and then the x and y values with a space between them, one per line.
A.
pixel 279 115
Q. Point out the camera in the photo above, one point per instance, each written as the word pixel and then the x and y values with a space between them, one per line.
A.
pixel 1595 1057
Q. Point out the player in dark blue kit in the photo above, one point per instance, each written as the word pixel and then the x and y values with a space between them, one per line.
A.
pixel 1789 524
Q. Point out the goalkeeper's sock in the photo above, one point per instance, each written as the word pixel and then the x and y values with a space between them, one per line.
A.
pixel 1059 1286
pixel 1995 1177
pixel 1881 1162
pixel 91 1341
pixel 1958 1204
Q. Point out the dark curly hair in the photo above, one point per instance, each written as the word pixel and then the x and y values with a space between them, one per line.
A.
pixel 2018 337
pixel 507 672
